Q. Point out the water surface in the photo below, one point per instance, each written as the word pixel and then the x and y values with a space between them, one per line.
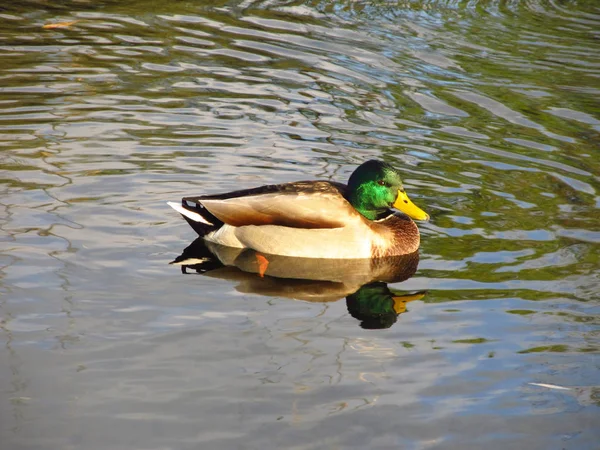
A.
pixel 489 108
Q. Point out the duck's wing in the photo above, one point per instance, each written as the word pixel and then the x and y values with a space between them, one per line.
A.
pixel 301 204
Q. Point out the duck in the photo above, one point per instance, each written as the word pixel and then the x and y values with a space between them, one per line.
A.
pixel 369 217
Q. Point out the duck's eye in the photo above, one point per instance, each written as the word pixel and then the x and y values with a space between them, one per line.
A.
pixel 381 183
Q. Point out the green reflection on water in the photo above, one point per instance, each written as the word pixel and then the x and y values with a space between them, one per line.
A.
pixel 547 348
pixel 479 340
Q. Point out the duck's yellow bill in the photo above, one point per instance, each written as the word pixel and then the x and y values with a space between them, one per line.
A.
pixel 400 301
pixel 404 204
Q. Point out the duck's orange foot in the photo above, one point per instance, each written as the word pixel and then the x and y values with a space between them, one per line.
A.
pixel 263 263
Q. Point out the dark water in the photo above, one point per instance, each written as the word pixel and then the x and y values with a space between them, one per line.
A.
pixel 491 110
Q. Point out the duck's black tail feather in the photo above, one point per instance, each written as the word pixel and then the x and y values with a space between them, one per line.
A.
pixel 199 218
pixel 197 257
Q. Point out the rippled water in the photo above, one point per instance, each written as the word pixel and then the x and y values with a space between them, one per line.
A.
pixel 490 109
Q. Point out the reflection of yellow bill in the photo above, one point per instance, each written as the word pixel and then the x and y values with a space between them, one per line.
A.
pixel 400 301
pixel 404 204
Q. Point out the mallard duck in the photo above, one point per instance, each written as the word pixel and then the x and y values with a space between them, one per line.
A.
pixel 313 219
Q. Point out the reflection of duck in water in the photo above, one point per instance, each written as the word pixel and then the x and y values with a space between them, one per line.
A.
pixel 313 219
pixel 376 306
pixel 361 281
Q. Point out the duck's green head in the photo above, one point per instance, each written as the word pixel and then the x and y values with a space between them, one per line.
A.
pixel 375 187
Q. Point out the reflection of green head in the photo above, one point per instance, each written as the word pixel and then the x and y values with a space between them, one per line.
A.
pixel 373 305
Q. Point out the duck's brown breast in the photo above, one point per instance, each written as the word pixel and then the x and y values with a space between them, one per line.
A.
pixel 396 235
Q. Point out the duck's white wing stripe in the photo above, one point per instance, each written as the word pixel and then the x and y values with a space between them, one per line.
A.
pixel 187 213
